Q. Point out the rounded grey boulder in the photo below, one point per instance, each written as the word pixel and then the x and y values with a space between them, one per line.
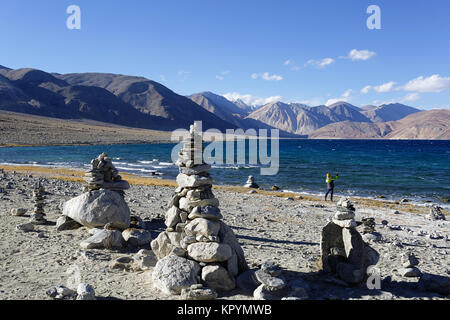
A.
pixel 97 208
pixel 172 274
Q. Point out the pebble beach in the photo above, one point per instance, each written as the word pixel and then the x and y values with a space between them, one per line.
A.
pixel 270 226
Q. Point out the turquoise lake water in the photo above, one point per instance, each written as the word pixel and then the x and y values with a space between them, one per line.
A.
pixel 417 170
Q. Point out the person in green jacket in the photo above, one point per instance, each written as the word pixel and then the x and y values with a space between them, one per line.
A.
pixel 330 185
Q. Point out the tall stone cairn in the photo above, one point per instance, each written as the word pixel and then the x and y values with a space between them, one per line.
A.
pixel 103 175
pixel 344 252
pixel 38 214
pixel 195 230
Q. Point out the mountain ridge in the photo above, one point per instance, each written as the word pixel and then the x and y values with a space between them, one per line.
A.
pixel 143 103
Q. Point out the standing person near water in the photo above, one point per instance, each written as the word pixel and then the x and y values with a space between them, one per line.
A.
pixel 330 185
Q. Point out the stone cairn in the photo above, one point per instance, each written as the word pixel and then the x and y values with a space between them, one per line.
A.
pixel 344 252
pixel 368 225
pixel 103 175
pixel 251 183
pixel 38 199
pixel 409 263
pixel 436 213
pixel 196 240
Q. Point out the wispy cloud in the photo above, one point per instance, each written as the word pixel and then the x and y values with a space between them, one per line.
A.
pixel 322 63
pixel 411 97
pixel 163 78
pixel 266 76
pixel 252 100
pixel 183 74
pixel 222 75
pixel 385 87
pixel 356 55
pixel 366 89
pixel 292 65
pixel 434 83
pixel 345 97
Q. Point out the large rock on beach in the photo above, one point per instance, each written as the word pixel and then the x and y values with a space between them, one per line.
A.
pixel 137 237
pixel 172 274
pixel 108 239
pixel 218 278
pixel 97 208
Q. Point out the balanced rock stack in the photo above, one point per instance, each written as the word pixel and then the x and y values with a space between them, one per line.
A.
pixel 409 263
pixel 344 252
pixel 197 247
pixel 369 225
pixel 103 175
pixel 251 183
pixel 369 232
pixel 102 201
pixel 38 199
pixel 436 213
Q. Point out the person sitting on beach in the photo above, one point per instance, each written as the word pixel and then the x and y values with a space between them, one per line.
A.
pixel 330 185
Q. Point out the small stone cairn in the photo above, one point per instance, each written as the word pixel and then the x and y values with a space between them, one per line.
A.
pixel 436 213
pixel 344 252
pixel 369 232
pixel 251 183
pixel 102 203
pixel 369 225
pixel 409 263
pixel 38 214
pixel 197 248
pixel 103 175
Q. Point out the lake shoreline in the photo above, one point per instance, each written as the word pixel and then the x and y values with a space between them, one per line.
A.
pixel 76 175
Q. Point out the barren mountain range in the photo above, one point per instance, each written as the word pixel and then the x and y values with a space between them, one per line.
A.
pixel 143 103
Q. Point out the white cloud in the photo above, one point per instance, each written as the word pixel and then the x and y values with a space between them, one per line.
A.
pixel 266 76
pixel 434 83
pixel 252 100
pixel 385 87
pixel 347 93
pixel 345 97
pixel 163 77
pixel 287 62
pixel 366 89
pixel 411 97
pixel 226 72
pixel 320 63
pixel 355 55
pixel 219 77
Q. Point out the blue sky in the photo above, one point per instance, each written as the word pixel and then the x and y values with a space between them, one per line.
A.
pixel 314 52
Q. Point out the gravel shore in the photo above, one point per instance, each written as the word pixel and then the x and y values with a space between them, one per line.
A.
pixel 269 228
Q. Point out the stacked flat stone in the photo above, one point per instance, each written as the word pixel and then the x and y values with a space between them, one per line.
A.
pixel 344 252
pixel 436 213
pixel 194 227
pixel 270 281
pixel 251 183
pixel 38 214
pixel 369 225
pixel 345 214
pixel 103 175
pixel 409 265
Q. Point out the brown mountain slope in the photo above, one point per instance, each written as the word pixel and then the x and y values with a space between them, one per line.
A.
pixel 352 130
pixel 433 124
